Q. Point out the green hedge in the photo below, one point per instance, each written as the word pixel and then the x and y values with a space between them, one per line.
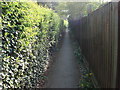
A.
pixel 28 32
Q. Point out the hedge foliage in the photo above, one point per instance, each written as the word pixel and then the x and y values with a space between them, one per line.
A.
pixel 28 31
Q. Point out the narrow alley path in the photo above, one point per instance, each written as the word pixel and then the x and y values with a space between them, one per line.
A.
pixel 64 72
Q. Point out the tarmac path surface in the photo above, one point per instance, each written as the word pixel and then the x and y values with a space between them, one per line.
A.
pixel 64 72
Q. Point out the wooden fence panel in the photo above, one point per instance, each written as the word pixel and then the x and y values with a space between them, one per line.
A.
pixel 98 36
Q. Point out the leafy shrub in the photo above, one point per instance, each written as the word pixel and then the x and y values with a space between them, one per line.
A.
pixel 85 74
pixel 28 31
pixel 86 80
pixel 66 23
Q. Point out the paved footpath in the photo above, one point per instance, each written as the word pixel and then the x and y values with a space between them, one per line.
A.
pixel 64 72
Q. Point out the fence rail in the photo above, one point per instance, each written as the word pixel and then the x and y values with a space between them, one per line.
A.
pixel 98 36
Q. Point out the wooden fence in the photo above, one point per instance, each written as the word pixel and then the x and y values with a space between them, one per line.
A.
pixel 99 37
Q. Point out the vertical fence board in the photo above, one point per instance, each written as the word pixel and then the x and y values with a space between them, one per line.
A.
pixel 118 63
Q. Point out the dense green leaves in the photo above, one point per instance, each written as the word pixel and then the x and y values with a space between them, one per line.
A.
pixel 28 32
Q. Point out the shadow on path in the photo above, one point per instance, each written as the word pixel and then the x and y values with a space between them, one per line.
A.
pixel 64 72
